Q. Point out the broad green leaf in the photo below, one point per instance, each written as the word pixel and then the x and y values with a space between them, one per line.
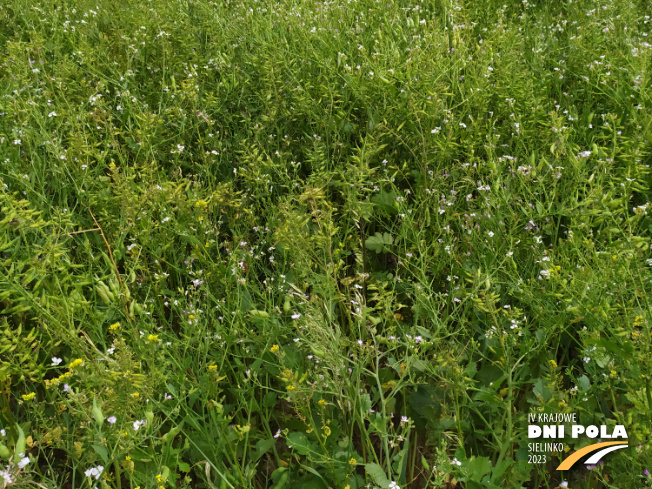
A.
pixel 377 475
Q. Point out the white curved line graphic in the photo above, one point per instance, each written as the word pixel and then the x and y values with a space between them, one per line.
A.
pixel 595 458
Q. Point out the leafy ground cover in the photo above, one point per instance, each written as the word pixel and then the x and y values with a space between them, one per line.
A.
pixel 322 244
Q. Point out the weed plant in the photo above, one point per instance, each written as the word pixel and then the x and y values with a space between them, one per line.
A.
pixel 322 244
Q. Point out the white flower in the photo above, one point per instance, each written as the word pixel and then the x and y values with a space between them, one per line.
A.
pixel 586 359
pixel 457 462
pixel 23 462
pixel 545 273
pixel 296 316
pixel 56 361
pixel 394 485
pixel 563 485
pixel 180 148
pixel 94 472
pixel 436 130
pixel 491 234
pixel 139 423
pixel 6 476
pixel 584 154
pixel 111 419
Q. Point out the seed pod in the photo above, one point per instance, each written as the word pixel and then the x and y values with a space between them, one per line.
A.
pixel 286 304
pixel 149 416
pixel 115 287
pixel 424 462
pixel 169 436
pixel 317 351
pixel 20 445
pixel 165 473
pixel 5 453
pixel 259 314
pixel 97 414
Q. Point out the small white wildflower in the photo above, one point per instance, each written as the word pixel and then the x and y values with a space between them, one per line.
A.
pixel 94 472
pixel 55 361
pixel 111 419
pixel 6 476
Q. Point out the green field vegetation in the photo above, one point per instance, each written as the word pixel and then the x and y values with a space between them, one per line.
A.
pixel 316 245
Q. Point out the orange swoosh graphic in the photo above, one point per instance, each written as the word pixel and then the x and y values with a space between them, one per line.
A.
pixel 568 463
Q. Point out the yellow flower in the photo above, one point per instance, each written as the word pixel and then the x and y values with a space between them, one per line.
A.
pixel 553 363
pixel 212 367
pixel 29 397
pixel 75 363
pixel 114 327
pixel 291 388
pixel 322 402
pixel 135 395
pixel 159 478
pixel 127 458
pixel 152 338
pixel 274 349
pixel 353 462
pixel 638 321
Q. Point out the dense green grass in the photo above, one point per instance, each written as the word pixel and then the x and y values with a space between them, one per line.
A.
pixel 308 245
